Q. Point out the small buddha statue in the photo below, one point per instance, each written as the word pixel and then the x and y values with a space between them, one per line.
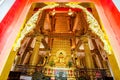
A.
pixel 61 58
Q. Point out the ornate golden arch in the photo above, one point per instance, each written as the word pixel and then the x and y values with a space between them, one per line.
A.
pixel 92 23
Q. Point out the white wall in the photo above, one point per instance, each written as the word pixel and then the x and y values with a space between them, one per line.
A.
pixel 5 5
pixel 117 4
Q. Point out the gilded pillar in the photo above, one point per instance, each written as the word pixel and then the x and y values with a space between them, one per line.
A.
pixel 104 63
pixel 26 60
pixel 18 59
pixel 35 55
pixel 88 57
pixel 97 60
pixel 16 62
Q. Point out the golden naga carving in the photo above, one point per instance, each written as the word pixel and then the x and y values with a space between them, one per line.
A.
pixel 93 25
pixel 44 62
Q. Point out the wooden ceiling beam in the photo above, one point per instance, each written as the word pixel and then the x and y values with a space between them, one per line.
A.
pixel 63 35
pixel 94 50
pixel 40 49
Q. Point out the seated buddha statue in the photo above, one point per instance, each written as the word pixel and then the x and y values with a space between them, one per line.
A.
pixel 60 59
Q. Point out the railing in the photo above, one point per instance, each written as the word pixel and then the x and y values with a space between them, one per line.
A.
pixel 96 74
pixel 80 74
pixel 26 69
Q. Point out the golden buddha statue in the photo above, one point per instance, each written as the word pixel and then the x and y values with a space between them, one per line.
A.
pixel 60 60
